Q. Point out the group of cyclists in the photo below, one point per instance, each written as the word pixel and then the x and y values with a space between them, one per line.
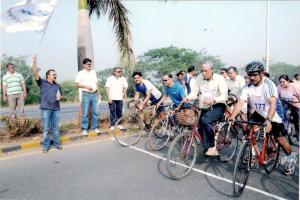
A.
pixel 258 99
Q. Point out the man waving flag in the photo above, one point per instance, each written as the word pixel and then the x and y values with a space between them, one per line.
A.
pixel 27 16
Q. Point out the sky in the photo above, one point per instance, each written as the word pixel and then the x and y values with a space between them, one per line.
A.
pixel 236 31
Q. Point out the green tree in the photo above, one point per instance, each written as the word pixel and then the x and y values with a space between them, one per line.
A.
pixel 157 62
pixel 279 68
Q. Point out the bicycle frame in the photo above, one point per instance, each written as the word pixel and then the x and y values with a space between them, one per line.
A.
pixel 261 153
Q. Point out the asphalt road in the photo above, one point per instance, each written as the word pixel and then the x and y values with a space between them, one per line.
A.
pixel 68 112
pixel 103 170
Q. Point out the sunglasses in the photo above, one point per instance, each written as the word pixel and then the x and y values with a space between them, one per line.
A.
pixel 164 80
pixel 118 71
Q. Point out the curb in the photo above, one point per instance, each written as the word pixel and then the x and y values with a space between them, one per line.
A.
pixel 63 140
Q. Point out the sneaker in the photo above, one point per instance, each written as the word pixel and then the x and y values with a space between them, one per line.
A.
pixel 290 164
pixel 120 127
pixel 96 130
pixel 212 151
pixel 112 128
pixel 45 150
pixel 84 133
pixel 59 147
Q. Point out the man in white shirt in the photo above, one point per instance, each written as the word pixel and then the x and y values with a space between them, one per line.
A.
pixel 87 80
pixel 116 90
pixel 189 79
pixel 213 90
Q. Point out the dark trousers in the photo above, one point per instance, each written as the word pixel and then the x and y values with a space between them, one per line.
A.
pixel 115 109
pixel 206 120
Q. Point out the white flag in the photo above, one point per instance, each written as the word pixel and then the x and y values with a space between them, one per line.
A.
pixel 27 16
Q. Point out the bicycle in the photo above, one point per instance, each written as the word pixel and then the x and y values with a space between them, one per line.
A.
pixel 184 149
pixel 268 156
pixel 162 131
pixel 133 126
pixel 289 125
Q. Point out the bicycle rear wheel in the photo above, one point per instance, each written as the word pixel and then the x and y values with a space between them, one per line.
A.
pixel 182 155
pixel 227 142
pixel 242 169
pixel 272 155
pixel 159 134
pixel 131 132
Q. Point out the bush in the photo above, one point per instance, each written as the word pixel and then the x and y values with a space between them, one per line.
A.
pixel 21 127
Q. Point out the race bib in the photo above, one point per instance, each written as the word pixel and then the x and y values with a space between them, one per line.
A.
pixel 259 103
pixel 206 97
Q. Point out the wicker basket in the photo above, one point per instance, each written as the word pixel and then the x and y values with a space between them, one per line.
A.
pixel 187 117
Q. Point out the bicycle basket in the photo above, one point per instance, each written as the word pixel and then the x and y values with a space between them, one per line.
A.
pixel 187 117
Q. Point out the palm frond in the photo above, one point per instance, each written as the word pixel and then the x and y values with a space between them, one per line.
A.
pixel 118 14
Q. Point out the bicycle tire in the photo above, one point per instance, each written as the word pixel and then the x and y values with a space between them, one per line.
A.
pixel 227 143
pixel 272 164
pixel 132 131
pixel 180 158
pixel 242 167
pixel 159 134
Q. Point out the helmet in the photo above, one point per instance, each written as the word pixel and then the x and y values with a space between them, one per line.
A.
pixel 254 66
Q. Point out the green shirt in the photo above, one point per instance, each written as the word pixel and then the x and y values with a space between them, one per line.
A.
pixel 13 83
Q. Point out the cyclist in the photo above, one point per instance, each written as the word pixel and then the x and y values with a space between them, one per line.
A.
pixel 261 95
pixel 148 90
pixel 173 90
pixel 190 79
pixel 290 93
pixel 213 90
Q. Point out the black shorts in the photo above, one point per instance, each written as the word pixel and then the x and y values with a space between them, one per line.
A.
pixel 277 128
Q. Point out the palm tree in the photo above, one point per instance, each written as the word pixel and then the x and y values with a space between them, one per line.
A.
pixel 118 14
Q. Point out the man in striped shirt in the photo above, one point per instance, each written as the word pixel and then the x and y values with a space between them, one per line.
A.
pixel 14 90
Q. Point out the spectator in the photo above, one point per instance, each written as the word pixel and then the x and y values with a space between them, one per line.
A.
pixel 14 91
pixel 116 90
pixel 50 95
pixel 87 80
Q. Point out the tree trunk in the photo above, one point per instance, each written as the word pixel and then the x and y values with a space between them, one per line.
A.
pixel 84 37
pixel 84 43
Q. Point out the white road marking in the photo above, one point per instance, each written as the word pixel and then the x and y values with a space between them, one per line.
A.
pixel 211 175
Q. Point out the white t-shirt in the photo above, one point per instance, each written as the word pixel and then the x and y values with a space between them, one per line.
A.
pixel 88 78
pixel 116 86
pixel 236 86
pixel 257 98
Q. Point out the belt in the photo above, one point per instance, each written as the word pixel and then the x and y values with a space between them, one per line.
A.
pixel 90 92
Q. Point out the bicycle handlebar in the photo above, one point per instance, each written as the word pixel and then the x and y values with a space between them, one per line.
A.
pixel 249 122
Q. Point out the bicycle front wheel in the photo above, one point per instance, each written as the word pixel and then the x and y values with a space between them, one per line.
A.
pixel 131 130
pixel 227 142
pixel 182 155
pixel 242 169
pixel 159 134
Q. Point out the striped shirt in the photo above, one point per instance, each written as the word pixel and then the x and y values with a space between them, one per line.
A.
pixel 13 83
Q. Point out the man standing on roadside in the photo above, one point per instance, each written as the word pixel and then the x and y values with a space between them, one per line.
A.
pixel 87 80
pixel 14 90
pixel 116 90
pixel 50 95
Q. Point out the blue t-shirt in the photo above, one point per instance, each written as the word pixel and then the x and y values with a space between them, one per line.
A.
pixel 148 86
pixel 176 93
pixel 48 93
